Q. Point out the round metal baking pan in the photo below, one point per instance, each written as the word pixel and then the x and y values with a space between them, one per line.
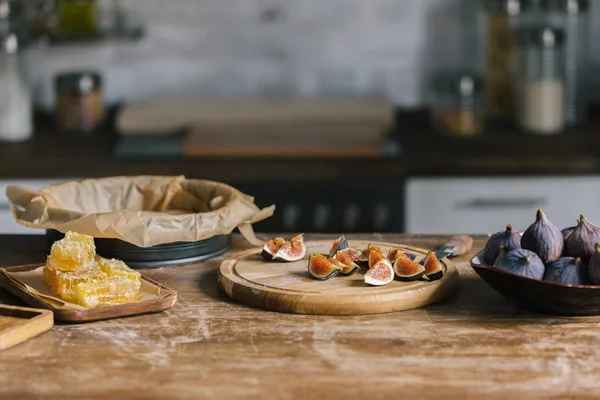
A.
pixel 162 255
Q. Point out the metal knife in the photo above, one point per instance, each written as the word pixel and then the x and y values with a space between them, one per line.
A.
pixel 456 246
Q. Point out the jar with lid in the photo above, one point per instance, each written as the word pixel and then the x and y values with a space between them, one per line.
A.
pixel 80 106
pixel 15 98
pixel 502 18
pixel 540 80
pixel 457 106
pixel 572 16
pixel 78 18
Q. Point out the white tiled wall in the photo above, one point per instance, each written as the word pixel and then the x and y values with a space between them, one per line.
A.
pixel 306 47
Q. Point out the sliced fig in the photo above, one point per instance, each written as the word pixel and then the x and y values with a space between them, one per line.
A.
pixel 382 273
pixel 346 270
pixel 320 267
pixel 338 244
pixel 292 250
pixel 363 257
pixel 406 269
pixel 376 248
pixel 375 257
pixel 393 253
pixel 348 257
pixel 350 253
pixel 271 247
pixel 433 267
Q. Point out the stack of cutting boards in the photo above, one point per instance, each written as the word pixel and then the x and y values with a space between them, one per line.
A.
pixel 255 127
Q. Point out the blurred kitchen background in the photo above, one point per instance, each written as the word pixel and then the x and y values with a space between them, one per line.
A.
pixel 419 116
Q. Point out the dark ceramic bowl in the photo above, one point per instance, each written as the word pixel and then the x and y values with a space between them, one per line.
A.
pixel 540 296
pixel 163 255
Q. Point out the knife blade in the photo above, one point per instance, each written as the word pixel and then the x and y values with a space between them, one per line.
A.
pixel 456 246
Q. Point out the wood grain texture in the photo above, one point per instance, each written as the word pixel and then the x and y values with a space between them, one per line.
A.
pixel 18 324
pixel 287 287
pixel 473 345
pixel 92 314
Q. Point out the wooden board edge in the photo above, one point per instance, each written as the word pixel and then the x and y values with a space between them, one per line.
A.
pixel 32 327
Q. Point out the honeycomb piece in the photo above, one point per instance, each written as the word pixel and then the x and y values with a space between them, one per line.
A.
pixel 68 265
pixel 114 267
pixel 113 290
pixel 73 248
pixel 62 283
pixel 71 236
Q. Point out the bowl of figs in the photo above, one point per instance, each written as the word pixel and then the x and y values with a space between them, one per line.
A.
pixel 545 269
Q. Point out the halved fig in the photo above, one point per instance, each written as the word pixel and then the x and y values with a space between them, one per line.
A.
pixel 270 248
pixel 371 246
pixel 292 250
pixel 349 253
pixel 375 257
pixel 346 270
pixel 338 244
pixel 363 257
pixel 320 267
pixel 433 267
pixel 380 274
pixel 348 257
pixel 406 269
pixel 393 253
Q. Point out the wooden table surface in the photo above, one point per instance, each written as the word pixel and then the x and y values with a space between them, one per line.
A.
pixel 475 344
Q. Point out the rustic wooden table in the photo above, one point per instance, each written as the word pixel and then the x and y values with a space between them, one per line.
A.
pixel 475 344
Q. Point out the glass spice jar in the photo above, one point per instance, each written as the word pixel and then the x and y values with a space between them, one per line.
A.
pixel 457 105
pixel 502 17
pixel 15 99
pixel 80 106
pixel 540 80
pixel 573 17
pixel 78 18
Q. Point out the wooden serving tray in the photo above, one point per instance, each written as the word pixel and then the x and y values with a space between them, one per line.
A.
pixel 288 287
pixel 17 324
pixel 89 314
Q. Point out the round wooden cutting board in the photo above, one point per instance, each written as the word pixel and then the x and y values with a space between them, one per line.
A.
pixel 288 287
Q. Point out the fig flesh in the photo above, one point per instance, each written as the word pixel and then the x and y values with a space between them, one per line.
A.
pixel 375 257
pixel 375 248
pixel 292 250
pixel 406 269
pixel 347 258
pixel 363 257
pixel 320 267
pixel 544 239
pixel 568 271
pixel 594 265
pixel 271 247
pixel 510 239
pixel 380 274
pixel 338 244
pixel 583 238
pixel 393 253
pixel 521 262
pixel 433 267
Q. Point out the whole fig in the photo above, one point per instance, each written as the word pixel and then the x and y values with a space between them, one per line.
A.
pixel 521 262
pixel 544 239
pixel 594 265
pixel 567 270
pixel 566 233
pixel 581 241
pixel 510 239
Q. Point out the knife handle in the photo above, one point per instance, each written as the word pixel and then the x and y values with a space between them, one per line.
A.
pixel 462 244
